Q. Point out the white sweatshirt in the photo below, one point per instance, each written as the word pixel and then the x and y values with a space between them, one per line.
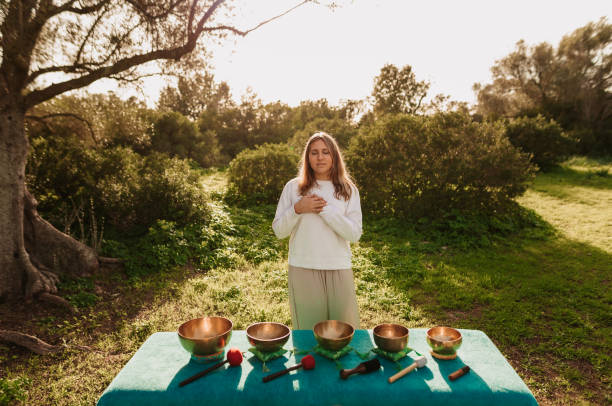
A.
pixel 319 241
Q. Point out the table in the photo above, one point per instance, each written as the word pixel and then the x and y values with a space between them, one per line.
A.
pixel 152 375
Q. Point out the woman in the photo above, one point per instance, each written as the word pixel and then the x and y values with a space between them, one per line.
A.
pixel 321 212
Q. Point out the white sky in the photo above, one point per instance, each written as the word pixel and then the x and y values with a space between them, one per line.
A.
pixel 315 53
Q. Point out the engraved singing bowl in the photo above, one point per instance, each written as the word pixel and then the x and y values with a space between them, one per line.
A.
pixel 333 335
pixel 444 340
pixel 390 337
pixel 268 336
pixel 205 335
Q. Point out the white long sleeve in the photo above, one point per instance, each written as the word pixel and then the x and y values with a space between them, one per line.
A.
pixel 319 241
pixel 348 224
pixel 286 218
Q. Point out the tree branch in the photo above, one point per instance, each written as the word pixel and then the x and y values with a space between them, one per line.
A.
pixel 84 10
pixel 87 36
pixel 43 118
pixel 38 96
pixel 150 16
pixel 243 33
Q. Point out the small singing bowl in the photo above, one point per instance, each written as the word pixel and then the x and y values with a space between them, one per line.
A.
pixel 205 335
pixel 333 335
pixel 390 337
pixel 268 336
pixel 444 340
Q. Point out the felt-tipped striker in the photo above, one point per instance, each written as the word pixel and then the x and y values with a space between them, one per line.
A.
pixel 308 362
pixel 363 368
pixel 419 362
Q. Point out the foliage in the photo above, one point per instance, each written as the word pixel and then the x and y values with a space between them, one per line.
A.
pixel 166 245
pixel 175 135
pixel 259 175
pixel 542 138
pixel 423 167
pixel 570 84
pixel 253 123
pixel 194 94
pixel 398 91
pixel 340 129
pixel 125 189
pixel 97 120
pixel 227 236
pixel 12 390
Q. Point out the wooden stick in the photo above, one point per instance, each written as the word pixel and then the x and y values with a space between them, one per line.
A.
pixel 459 373
pixel 201 374
pixel 280 373
pixel 403 372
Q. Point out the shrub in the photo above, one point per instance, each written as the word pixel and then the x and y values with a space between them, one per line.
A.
pixel 175 135
pixel 169 189
pixel 542 138
pixel 259 175
pixel 122 187
pixel 340 129
pixel 419 167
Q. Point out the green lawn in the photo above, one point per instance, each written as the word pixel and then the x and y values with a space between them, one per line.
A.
pixel 543 298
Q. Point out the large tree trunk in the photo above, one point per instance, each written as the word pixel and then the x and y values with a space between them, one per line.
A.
pixel 32 251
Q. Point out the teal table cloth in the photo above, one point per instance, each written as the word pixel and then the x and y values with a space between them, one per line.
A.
pixel 152 376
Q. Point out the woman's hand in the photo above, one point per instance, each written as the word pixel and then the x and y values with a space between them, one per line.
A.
pixel 310 204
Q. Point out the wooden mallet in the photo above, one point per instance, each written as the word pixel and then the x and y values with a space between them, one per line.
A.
pixel 363 368
pixel 419 362
pixel 308 362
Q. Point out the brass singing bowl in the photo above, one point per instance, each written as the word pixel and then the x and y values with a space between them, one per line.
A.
pixel 268 336
pixel 333 335
pixel 205 335
pixel 390 337
pixel 444 340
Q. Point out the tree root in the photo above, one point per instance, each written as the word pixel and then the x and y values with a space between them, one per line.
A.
pixel 54 249
pixel 56 300
pixel 37 345
pixel 110 261
pixel 30 342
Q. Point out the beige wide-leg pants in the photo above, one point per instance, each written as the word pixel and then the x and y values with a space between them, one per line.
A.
pixel 316 295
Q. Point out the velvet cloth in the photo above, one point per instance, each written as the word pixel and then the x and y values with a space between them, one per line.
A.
pixel 152 375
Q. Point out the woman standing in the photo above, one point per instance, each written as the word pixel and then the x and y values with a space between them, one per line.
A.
pixel 321 212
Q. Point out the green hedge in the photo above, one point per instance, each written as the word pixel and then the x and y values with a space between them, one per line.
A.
pixel 542 138
pixel 122 187
pixel 259 175
pixel 422 167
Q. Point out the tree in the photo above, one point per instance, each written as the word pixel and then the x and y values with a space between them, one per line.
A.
pixel 398 91
pixel 175 135
pixel 194 94
pixel 570 84
pixel 50 47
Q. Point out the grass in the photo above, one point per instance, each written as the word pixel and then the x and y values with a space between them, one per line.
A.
pixel 544 299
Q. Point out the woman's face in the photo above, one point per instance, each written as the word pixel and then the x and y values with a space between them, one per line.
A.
pixel 320 160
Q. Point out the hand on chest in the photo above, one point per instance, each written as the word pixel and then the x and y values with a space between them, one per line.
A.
pixel 328 195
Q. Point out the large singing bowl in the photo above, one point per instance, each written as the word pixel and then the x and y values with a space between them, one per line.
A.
pixel 205 335
pixel 268 336
pixel 390 337
pixel 333 335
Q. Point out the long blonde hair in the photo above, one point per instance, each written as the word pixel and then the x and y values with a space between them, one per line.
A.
pixel 340 177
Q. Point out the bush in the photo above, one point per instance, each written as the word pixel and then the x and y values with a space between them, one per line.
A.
pixel 121 186
pixel 423 167
pixel 340 129
pixel 259 175
pixel 542 138
pixel 175 135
